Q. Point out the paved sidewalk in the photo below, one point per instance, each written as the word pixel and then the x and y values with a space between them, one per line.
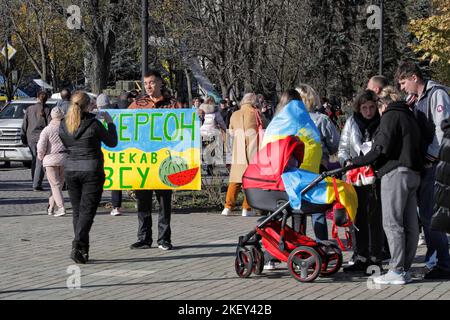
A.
pixel 35 263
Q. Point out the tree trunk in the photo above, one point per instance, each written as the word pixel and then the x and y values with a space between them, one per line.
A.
pixel 189 88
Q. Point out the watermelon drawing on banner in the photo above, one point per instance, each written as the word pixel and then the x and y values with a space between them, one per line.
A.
pixel 184 177
pixel 171 165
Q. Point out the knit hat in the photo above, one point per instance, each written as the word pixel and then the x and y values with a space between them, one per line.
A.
pixel 57 113
pixel 103 101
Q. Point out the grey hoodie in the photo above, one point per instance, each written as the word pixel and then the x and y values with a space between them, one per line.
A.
pixel 329 135
pixel 435 104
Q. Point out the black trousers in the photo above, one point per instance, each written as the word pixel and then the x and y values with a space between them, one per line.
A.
pixel 37 170
pixel 368 241
pixel 116 198
pixel 144 204
pixel 85 192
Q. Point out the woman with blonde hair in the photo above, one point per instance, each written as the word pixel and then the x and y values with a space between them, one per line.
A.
pixel 244 130
pixel 82 134
pixel 328 133
pixel 329 137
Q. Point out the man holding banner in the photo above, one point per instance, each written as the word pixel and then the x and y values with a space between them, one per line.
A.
pixel 153 99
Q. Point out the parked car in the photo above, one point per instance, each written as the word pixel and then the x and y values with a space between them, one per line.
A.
pixel 11 119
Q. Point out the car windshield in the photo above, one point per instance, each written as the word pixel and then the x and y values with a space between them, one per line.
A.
pixel 14 110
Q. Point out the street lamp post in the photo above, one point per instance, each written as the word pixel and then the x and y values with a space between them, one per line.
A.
pixel 144 21
pixel 381 40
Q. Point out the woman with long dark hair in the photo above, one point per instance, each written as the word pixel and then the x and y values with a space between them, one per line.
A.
pixel 359 129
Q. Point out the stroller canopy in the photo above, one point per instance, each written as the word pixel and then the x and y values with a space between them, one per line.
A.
pixel 269 163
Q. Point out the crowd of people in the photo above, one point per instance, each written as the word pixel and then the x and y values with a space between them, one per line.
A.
pixel 398 139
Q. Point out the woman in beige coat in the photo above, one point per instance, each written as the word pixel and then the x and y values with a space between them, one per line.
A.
pixel 244 131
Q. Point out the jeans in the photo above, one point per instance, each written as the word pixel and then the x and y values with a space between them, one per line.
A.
pixel 37 170
pixel 144 204
pixel 436 241
pixel 85 192
pixel 319 223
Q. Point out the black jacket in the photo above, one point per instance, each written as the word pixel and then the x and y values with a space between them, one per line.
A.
pixel 442 185
pixel 397 143
pixel 84 145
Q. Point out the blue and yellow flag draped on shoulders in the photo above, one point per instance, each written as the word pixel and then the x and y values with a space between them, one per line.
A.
pixel 294 120
pixel 157 149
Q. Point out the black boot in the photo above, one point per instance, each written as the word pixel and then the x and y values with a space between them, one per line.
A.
pixel 85 253
pixel 77 256
pixel 358 266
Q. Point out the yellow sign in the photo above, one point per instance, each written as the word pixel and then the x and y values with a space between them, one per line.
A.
pixel 11 51
pixel 157 149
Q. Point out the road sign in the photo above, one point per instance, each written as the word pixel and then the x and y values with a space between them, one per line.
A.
pixel 11 51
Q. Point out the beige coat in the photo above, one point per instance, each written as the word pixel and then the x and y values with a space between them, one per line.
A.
pixel 243 131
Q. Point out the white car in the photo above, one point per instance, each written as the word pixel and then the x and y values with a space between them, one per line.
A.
pixel 11 119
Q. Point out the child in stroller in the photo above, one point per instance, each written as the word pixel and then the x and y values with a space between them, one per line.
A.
pixel 264 189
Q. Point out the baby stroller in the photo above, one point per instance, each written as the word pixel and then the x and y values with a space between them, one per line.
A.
pixel 305 257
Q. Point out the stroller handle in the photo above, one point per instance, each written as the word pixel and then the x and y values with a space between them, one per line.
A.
pixel 325 174
pixel 335 172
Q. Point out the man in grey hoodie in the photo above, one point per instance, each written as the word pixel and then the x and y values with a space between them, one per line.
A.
pixel 431 108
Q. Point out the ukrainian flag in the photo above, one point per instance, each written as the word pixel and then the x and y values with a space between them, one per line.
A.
pixel 294 120
pixel 295 180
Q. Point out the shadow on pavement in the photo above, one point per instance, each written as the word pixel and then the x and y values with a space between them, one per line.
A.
pixel 152 259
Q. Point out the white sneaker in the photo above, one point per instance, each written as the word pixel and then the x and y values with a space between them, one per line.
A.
pixel 391 277
pixel 226 212
pixel 50 211
pixel 248 213
pixel 421 240
pixel 60 212
pixel 270 266
pixel 116 212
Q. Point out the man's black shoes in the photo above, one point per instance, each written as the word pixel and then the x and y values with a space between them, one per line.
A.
pixel 358 266
pixel 437 273
pixel 77 256
pixel 165 246
pixel 141 245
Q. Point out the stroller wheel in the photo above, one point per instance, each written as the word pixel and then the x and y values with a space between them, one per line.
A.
pixel 304 264
pixel 243 263
pixel 331 259
pixel 258 260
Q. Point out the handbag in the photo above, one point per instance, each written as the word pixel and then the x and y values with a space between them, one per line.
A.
pixel 440 221
pixel 362 176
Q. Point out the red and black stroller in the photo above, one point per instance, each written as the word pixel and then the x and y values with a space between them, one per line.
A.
pixel 264 190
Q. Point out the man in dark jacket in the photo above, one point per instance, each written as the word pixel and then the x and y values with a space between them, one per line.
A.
pixel 37 117
pixel 396 153
pixel 154 98
pixel 431 108
pixel 64 103
pixel 441 219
